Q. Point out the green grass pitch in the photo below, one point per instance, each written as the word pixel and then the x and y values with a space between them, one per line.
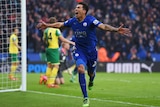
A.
pixel 110 90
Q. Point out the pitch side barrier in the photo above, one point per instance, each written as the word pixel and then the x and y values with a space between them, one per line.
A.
pixel 117 67
pixel 129 67
pixel 40 67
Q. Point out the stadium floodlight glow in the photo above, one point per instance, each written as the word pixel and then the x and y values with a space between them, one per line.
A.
pixel 12 14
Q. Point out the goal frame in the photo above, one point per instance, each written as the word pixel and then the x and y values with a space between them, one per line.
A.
pixel 24 51
pixel 23 86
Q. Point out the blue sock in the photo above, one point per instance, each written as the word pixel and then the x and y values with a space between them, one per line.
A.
pixel 92 78
pixel 82 82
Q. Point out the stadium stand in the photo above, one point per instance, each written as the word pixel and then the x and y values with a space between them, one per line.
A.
pixel 141 16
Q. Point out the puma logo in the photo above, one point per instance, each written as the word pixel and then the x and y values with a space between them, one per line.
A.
pixel 145 66
pixel 95 63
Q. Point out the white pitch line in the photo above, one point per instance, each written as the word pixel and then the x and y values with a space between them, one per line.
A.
pixel 95 99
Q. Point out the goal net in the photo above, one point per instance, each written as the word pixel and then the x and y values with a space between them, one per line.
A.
pixel 12 15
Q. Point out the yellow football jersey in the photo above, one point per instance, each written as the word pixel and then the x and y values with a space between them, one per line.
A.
pixel 50 37
pixel 12 47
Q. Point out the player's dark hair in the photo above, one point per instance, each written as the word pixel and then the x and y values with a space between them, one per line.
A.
pixel 85 6
pixel 14 29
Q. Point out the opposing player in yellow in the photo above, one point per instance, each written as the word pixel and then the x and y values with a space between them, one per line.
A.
pixel 51 36
pixel 13 51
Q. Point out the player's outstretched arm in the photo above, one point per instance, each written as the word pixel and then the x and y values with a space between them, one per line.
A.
pixel 43 25
pixel 121 30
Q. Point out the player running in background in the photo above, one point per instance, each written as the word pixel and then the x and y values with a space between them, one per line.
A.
pixel 50 37
pixel 73 75
pixel 63 64
pixel 75 71
pixel 85 54
pixel 13 51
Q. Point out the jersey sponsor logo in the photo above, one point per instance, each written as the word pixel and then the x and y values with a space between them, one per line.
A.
pixel 96 22
pixel 80 34
pixel 85 24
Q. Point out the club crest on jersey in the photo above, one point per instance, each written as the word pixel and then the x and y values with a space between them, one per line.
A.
pixel 84 24
pixel 76 54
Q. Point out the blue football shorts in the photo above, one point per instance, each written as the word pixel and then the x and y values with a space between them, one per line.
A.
pixel 88 59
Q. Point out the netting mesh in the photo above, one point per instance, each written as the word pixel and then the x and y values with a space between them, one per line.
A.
pixel 10 17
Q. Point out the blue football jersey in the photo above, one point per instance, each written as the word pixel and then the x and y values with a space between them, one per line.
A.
pixel 84 32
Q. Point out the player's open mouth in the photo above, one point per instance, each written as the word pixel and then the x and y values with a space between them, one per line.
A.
pixel 76 13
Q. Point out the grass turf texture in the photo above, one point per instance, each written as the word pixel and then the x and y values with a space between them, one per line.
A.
pixel 110 90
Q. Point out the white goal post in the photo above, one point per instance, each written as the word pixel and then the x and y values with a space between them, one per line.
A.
pixel 12 14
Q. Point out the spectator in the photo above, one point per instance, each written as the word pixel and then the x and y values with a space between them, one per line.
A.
pixel 141 49
pixel 152 46
pixel 133 13
pixel 149 57
pixel 158 46
pixel 103 55
pixel 133 54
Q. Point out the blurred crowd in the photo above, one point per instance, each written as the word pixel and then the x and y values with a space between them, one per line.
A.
pixel 10 17
pixel 141 16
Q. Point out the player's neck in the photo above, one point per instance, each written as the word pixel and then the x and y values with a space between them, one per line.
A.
pixel 14 33
pixel 80 19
